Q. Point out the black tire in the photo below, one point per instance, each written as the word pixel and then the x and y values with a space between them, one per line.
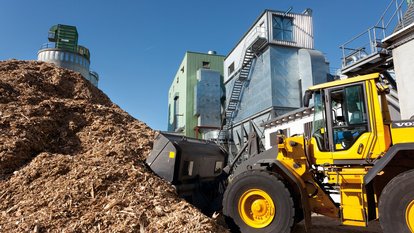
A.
pixel 395 198
pixel 283 218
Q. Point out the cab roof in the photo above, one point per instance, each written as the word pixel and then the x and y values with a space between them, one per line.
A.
pixel 344 81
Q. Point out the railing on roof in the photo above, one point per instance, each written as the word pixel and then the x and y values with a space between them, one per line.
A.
pixel 79 49
pixel 48 45
pixel 368 42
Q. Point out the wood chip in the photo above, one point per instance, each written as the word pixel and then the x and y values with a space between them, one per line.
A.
pixel 59 177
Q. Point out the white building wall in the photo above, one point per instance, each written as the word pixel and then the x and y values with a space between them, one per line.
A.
pixel 293 127
pixel 403 65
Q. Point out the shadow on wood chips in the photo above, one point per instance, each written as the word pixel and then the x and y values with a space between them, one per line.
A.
pixel 72 161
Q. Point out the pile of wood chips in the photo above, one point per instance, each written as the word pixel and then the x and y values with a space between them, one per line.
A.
pixel 72 161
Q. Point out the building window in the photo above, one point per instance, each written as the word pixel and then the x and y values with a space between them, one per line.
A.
pixel 176 113
pixel 182 69
pixel 231 68
pixel 206 65
pixel 178 79
pixel 282 28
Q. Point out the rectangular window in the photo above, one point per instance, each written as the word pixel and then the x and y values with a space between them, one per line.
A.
pixel 282 28
pixel 349 116
pixel 176 111
pixel 206 65
pixel 231 68
pixel 319 122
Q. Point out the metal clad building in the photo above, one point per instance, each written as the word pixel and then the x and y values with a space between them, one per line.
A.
pixel 278 71
pixel 198 80
pixel 302 31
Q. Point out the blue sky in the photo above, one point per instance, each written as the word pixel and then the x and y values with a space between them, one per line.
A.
pixel 137 46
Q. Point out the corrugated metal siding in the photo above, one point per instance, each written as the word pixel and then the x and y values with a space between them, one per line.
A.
pixel 302 31
pixel 238 51
pixel 193 64
pixel 302 37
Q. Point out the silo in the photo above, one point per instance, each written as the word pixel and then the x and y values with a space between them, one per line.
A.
pixel 63 50
pixel 93 77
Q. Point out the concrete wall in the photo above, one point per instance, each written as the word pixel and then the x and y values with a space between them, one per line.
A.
pixel 404 71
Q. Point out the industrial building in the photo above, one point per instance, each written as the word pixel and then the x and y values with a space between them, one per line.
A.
pixel 264 76
pixel 196 95
pixel 390 53
pixel 63 50
pixel 269 69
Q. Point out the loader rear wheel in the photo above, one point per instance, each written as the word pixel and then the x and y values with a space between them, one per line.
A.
pixel 396 204
pixel 257 201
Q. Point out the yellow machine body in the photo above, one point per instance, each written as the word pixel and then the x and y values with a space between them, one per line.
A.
pixel 346 166
pixel 355 153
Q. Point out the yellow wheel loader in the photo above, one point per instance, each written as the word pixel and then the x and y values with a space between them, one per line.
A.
pixel 355 151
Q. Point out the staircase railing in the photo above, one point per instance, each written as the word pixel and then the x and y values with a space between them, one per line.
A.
pixel 368 42
pixel 242 73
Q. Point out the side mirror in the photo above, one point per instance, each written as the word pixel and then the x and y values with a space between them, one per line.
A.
pixel 307 97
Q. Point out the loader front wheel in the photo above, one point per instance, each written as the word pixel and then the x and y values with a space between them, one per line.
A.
pixel 396 204
pixel 257 201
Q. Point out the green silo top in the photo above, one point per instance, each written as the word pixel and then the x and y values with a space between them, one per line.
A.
pixel 64 36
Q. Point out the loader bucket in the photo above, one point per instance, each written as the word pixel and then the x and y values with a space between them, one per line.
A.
pixel 194 167
pixel 181 160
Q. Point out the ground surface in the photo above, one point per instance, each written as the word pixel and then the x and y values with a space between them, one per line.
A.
pixel 323 224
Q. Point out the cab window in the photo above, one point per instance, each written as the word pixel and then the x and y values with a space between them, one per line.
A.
pixel 349 116
pixel 319 122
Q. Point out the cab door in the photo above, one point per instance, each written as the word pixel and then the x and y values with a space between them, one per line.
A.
pixel 348 122
pixel 319 141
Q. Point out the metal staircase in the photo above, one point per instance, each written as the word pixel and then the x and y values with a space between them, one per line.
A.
pixel 240 77
pixel 237 88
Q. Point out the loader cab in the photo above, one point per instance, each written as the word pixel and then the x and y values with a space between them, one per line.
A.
pixel 347 121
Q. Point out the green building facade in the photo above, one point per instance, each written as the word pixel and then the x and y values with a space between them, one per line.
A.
pixel 196 95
